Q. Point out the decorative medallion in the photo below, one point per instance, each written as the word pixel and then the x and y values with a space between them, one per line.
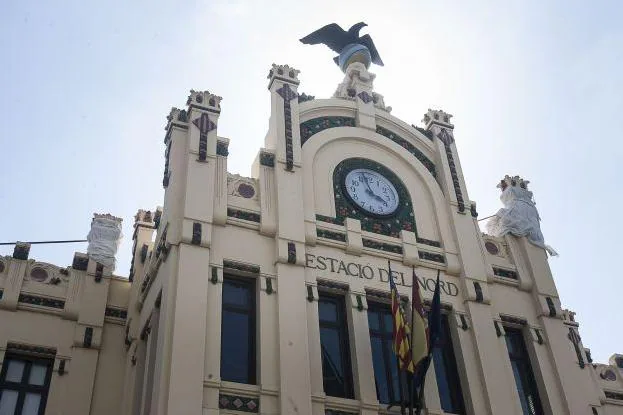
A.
pixel 246 190
pixel 245 187
pixel 492 248
pixel 38 274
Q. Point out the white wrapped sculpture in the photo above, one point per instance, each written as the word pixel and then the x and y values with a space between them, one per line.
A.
pixel 104 239
pixel 519 216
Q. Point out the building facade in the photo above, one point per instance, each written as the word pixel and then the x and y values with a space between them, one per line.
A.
pixel 270 294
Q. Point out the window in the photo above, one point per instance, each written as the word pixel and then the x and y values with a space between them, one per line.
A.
pixel 450 395
pixel 336 370
pixel 238 330
pixel 24 384
pixel 522 370
pixel 383 358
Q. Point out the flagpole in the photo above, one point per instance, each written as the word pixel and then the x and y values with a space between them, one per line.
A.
pixel 411 382
pixel 432 345
pixel 420 399
pixel 400 386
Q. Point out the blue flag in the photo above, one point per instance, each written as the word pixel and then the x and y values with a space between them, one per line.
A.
pixel 434 335
pixel 434 318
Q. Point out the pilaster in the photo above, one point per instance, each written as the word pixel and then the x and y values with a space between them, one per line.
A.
pixel 315 352
pixel 466 355
pixel 186 296
pixel 268 354
pixel 212 360
pixel 363 372
pixel 15 276
pixel 295 385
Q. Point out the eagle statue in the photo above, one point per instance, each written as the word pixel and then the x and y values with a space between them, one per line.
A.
pixel 348 44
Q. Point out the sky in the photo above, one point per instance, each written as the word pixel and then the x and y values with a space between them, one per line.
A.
pixel 536 89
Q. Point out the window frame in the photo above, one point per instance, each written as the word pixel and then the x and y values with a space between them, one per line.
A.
pixel 527 376
pixel 380 307
pixel 251 312
pixel 342 328
pixel 23 387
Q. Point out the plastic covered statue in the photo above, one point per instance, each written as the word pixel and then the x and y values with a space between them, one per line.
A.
pixel 519 216
pixel 104 239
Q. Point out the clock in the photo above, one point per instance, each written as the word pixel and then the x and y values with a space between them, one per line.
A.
pixel 371 191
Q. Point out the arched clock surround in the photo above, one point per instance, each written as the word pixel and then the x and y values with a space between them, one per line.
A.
pixel 391 225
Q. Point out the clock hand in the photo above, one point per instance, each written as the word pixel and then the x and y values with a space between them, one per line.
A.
pixel 365 179
pixel 370 191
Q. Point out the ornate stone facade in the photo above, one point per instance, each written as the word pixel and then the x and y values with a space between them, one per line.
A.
pixel 152 343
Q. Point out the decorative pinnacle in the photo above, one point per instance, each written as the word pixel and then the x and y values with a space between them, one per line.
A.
pixel 107 216
pixel 437 117
pixel 176 115
pixel 143 216
pixel 284 73
pixel 204 99
pixel 512 181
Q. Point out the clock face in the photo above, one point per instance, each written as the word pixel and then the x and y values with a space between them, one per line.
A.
pixel 371 191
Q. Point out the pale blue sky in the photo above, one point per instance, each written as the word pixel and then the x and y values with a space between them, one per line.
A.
pixel 535 87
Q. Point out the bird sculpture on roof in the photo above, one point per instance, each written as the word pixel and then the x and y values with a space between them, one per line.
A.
pixel 350 46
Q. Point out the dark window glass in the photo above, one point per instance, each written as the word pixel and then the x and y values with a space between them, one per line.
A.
pixel 448 384
pixel 24 385
pixel 383 358
pixel 238 331
pixel 522 371
pixel 336 371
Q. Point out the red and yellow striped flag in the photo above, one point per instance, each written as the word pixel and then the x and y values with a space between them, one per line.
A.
pixel 419 324
pixel 402 345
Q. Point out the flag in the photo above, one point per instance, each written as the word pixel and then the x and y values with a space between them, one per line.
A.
pixel 434 318
pixel 434 333
pixel 401 332
pixel 419 324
